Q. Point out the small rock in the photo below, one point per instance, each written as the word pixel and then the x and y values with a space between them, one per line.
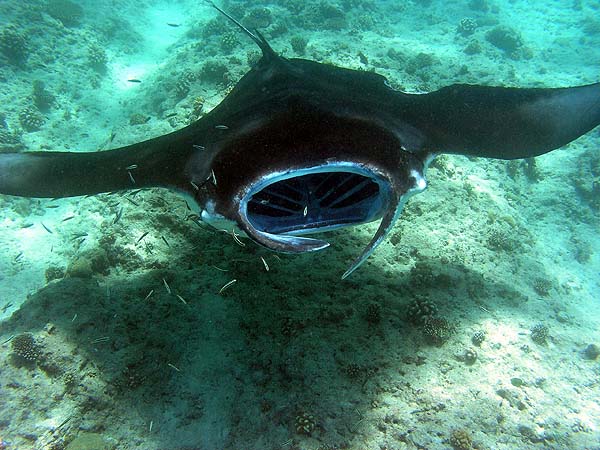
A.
pixel 517 382
pixel 592 351
pixel 470 356
pixel 563 317
pixel 88 441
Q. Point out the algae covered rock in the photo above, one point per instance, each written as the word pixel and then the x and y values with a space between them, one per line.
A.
pixel 67 12
pixel 80 268
pixel 94 262
pixel 504 38
pixel 89 441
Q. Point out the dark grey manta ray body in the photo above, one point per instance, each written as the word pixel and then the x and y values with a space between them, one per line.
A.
pixel 299 147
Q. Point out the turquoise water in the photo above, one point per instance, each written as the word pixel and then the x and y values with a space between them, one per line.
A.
pixel 472 326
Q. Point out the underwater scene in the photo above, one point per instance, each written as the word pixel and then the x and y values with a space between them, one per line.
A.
pixel 127 322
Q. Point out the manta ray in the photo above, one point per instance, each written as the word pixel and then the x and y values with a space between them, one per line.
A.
pixel 299 147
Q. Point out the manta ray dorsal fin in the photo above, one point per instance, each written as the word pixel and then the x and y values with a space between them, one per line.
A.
pixel 257 37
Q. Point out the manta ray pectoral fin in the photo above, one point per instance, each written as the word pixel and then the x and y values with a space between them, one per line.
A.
pixel 507 123
pixel 61 174
pixel 156 162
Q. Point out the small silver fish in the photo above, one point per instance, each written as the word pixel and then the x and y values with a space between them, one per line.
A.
pixel 46 228
pixel 142 237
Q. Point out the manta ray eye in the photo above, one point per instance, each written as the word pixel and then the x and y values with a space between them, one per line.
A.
pixel 317 201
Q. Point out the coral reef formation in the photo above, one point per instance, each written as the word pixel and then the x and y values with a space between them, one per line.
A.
pixel 505 39
pixel 182 87
pixel 97 58
pixel 215 72
pixel 138 119
pixel 10 141
pixel 299 44
pixel 478 337
pixel 373 313
pixel 305 423
pixel 229 41
pixel 259 17
pixel 420 310
pixel 25 349
pixel 591 352
pixel 461 440
pixel 31 119
pixel 67 12
pixel 467 26
pixel 542 286
pixel 13 44
pixel 437 330
pixel 469 356
pixel 54 273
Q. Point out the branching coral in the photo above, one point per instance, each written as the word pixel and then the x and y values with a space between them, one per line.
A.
pixel 299 44
pixel 215 71
pixel 229 41
pixel 542 286
pixel 505 39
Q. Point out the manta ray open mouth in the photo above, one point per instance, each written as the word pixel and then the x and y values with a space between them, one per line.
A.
pixel 277 208
pixel 317 201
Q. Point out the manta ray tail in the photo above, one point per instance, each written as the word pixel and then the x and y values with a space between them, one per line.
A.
pixel 68 174
pixel 507 123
